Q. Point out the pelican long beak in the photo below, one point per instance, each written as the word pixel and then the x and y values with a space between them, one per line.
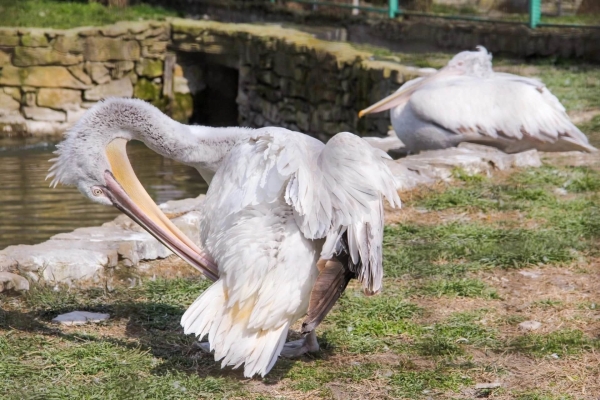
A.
pixel 401 96
pixel 128 195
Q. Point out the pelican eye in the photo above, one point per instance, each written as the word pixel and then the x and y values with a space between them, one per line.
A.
pixel 97 192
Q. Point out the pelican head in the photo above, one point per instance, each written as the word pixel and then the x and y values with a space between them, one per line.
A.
pixel 93 157
pixel 473 63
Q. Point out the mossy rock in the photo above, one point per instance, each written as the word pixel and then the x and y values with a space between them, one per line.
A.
pixel 151 92
pixel 146 90
pixel 182 107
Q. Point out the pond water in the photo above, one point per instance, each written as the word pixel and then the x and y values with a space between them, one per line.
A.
pixel 31 211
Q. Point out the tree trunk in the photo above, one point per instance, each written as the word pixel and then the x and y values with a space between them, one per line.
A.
pixel 589 7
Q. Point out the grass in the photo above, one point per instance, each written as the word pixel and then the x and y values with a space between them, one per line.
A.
pixel 447 317
pixel 69 14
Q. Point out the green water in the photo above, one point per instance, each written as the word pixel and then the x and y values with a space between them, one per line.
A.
pixel 31 212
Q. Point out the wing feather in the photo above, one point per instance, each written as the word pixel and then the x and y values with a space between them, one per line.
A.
pixel 503 106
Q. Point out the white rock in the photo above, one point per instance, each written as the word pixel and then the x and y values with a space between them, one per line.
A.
pixel 531 274
pixel 80 318
pixel 431 166
pixel 530 325
pixel 390 142
pixel 9 281
pixel 182 206
pixel 490 385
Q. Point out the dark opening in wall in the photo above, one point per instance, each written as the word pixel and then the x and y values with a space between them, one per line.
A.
pixel 214 89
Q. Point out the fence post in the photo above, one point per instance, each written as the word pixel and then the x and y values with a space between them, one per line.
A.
pixel 393 8
pixel 535 13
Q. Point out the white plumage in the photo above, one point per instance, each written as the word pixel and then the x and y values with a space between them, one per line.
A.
pixel 467 101
pixel 271 206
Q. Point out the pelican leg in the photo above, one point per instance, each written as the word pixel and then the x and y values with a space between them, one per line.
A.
pixel 308 344
pixel 204 346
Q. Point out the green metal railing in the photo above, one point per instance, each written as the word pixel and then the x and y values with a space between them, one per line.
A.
pixel 394 10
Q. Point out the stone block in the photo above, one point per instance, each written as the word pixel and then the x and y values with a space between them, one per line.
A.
pixel 98 72
pixel 29 56
pixel 13 92
pixel 180 85
pixel 63 99
pixel 9 40
pixel 118 88
pixel 79 73
pixel 160 33
pixel 8 104
pixel 14 282
pixel 34 39
pixel 124 27
pixel 74 114
pixel 69 44
pixel 150 68
pixel 4 58
pixel 40 77
pixel 109 49
pixel 44 114
pixel 28 98
pixel 121 68
pixel 154 49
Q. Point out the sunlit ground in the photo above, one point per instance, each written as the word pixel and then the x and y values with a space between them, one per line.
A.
pixel 446 321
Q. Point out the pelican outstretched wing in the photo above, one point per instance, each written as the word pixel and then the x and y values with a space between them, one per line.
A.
pixel 334 189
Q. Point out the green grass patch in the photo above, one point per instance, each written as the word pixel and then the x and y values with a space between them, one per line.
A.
pixel 562 343
pixel 463 287
pixel 308 377
pixel 69 367
pixel 365 324
pixel 539 395
pixel 70 14
pixel 451 337
pixel 419 384
pixel 455 248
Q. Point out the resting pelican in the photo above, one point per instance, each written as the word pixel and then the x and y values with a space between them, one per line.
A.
pixel 466 101
pixel 284 213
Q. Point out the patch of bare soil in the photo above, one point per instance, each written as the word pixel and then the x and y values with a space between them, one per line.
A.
pixel 583 116
pixel 557 297
pixel 571 376
pixel 427 217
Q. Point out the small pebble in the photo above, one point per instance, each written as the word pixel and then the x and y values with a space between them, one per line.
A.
pixel 560 191
pixel 490 385
pixel 531 274
pixel 530 325
pixel 80 318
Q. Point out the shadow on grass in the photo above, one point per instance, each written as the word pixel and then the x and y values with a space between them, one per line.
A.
pixel 152 328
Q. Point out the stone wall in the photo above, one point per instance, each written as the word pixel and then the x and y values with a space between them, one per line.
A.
pixel 286 77
pixel 48 78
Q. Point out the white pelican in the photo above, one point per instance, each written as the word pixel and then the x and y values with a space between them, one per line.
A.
pixel 278 202
pixel 466 101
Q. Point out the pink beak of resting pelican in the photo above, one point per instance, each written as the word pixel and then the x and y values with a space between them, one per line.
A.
pixel 401 96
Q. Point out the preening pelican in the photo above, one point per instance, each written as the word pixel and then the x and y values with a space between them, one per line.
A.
pixel 466 101
pixel 287 220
